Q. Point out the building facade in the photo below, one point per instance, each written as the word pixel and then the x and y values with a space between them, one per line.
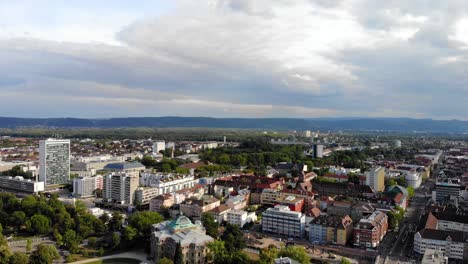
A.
pixel 368 232
pixel 167 182
pixel 119 188
pixel 54 161
pixel 282 221
pixel 84 187
pixel 21 185
pixel 375 178
pixel 181 232
pixel 331 229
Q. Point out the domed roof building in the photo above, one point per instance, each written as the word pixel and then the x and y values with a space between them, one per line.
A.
pixel 180 232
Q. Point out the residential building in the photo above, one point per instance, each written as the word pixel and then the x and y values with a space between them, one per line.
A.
pixel 432 256
pixel 192 239
pixel 318 151
pixel 238 218
pixel 331 229
pixel 294 203
pixel 84 187
pixel 167 182
pixel 131 168
pixel 237 202
pixel 54 161
pixel 220 213
pixel 158 146
pixel 375 178
pixel 20 185
pixel 339 208
pixel 453 244
pixel 177 197
pixel 143 195
pixel 119 188
pixel 368 232
pixel 282 221
pixel 195 207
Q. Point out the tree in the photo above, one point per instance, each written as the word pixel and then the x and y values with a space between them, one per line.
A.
pixel 268 255
pixel 410 191
pixel 178 256
pixel 18 218
pixel 233 238
pixel 28 245
pixel 218 254
pixel 4 250
pixel 70 239
pixel 392 182
pixel 210 225
pixel 115 240
pixel 101 251
pixel 19 258
pixel 165 261
pixel 345 261
pixel 58 237
pixel 130 233
pixel 39 224
pixel 44 254
pixel 239 257
pixel 92 241
pixel 116 222
pixel 142 221
pixel 297 253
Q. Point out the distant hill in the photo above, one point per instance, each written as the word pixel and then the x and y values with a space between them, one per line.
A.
pixel 347 124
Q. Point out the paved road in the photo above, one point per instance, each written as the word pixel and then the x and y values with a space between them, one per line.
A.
pixel 398 247
pixel 139 255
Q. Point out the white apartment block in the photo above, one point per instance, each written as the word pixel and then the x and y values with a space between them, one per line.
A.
pixel 158 146
pixel 143 195
pixel 120 188
pixel 167 182
pixel 84 187
pixel 282 221
pixel 238 218
pixel 450 243
pixel 54 161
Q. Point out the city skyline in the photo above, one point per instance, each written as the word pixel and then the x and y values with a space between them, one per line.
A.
pixel 227 58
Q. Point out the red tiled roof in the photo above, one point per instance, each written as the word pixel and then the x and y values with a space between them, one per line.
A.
pixel 431 222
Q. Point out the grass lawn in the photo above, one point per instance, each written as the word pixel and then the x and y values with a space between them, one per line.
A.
pixel 116 261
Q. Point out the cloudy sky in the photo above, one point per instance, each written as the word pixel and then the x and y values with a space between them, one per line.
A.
pixel 234 58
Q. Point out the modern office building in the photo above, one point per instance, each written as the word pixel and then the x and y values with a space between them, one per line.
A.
pixel 192 239
pixel 282 221
pixel 119 188
pixel 375 178
pixel 20 185
pixel 446 191
pixel 133 168
pixel 54 161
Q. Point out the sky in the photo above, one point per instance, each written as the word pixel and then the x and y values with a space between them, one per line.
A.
pixel 234 58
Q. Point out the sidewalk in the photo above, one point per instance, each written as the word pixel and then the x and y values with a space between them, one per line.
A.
pixel 139 255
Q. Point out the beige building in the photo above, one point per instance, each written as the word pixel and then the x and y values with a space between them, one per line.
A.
pixel 194 207
pixel 120 188
pixel 375 178
pixel 192 238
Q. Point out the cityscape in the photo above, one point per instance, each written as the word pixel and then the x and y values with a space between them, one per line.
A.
pixel 233 132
